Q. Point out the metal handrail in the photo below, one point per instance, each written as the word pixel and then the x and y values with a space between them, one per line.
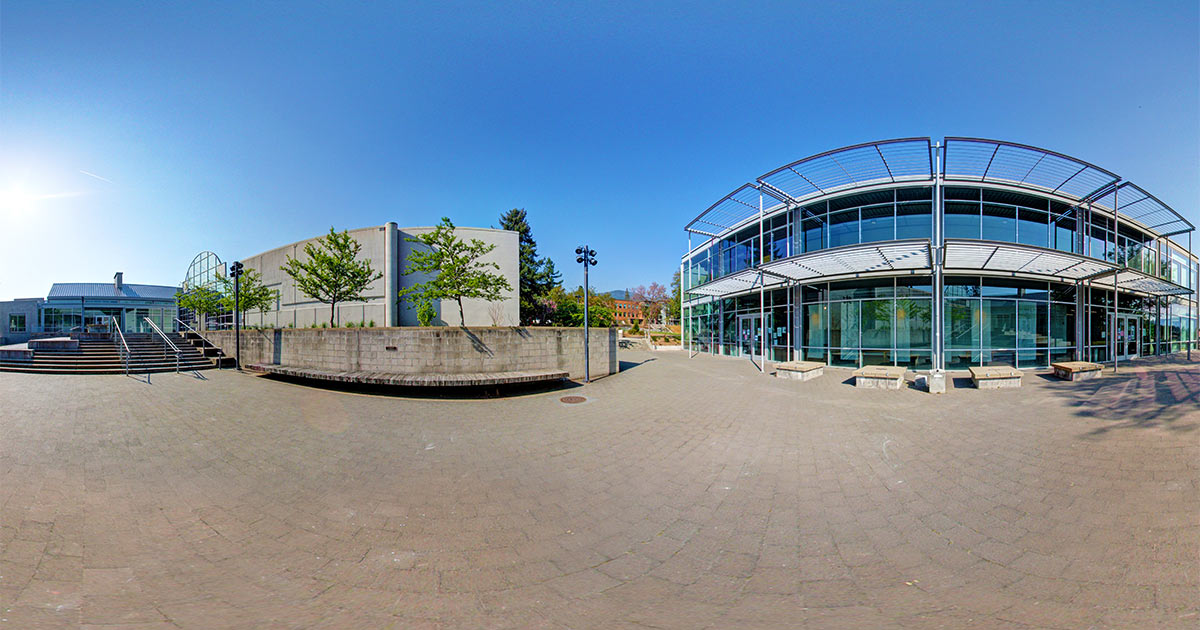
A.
pixel 166 342
pixel 220 352
pixel 124 347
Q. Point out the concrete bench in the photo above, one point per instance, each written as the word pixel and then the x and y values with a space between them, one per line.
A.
pixel 879 377
pixel 799 370
pixel 995 377
pixel 1076 370
pixel 475 379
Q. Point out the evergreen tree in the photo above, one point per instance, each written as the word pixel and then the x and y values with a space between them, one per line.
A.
pixel 538 275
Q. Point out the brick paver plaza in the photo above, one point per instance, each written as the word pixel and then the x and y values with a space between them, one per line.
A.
pixel 683 494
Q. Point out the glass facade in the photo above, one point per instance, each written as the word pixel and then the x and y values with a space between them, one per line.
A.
pixel 59 318
pixel 1022 322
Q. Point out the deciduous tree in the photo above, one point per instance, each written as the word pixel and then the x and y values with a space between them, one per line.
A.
pixel 457 269
pixel 253 294
pixel 331 272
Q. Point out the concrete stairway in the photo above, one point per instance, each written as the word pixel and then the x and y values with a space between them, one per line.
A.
pixel 102 357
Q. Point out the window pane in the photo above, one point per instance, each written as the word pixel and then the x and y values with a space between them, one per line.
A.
pixel 1032 228
pixel 962 220
pixel 962 323
pixel 1062 325
pixel 999 327
pixel 843 228
pixel 999 223
pixel 913 220
pixel 816 318
pixel 914 323
pixel 877 323
pixel 878 224
pixel 1063 229
pixel 843 324
pixel 814 234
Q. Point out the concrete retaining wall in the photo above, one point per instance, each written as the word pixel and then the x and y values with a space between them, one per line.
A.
pixel 414 350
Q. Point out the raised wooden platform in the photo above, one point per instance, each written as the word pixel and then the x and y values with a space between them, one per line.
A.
pixel 995 377
pixel 480 379
pixel 799 370
pixel 879 377
pixel 1076 370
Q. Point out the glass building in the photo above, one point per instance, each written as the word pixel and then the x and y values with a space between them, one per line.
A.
pixel 964 253
pixel 74 306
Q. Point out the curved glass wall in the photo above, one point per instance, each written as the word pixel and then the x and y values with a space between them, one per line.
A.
pixel 886 321
pixel 884 215
pixel 1005 321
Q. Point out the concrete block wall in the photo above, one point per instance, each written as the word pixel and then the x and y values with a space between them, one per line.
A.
pixel 439 350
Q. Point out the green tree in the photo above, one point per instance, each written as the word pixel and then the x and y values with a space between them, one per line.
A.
pixel 568 308
pixel 332 272
pixel 673 313
pixel 538 275
pixel 202 301
pixel 457 270
pixel 253 295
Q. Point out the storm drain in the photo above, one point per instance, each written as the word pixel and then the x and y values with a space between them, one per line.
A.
pixel 573 400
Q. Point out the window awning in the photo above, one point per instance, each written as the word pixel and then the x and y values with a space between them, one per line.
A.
pixel 736 282
pixel 1135 203
pixel 969 255
pixel 906 255
pixel 1134 280
pixel 853 259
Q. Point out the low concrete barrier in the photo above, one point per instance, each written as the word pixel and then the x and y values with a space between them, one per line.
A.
pixel 433 350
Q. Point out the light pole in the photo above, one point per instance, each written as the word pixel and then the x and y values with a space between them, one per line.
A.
pixel 235 270
pixel 587 256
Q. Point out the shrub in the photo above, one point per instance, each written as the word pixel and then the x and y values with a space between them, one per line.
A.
pixel 372 323
pixel 291 325
pixel 426 313
pixel 313 325
pixel 350 325
pixel 324 325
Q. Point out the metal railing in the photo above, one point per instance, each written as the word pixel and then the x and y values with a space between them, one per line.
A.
pixel 122 348
pixel 220 352
pixel 166 342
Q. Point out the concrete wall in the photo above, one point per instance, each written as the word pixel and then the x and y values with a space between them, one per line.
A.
pixel 387 250
pixel 22 306
pixel 439 350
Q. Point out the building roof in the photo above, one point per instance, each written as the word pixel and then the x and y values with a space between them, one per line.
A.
pixel 109 290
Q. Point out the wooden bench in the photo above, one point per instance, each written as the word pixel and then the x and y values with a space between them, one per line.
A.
pixel 995 377
pixel 475 379
pixel 879 377
pixel 799 370
pixel 1076 370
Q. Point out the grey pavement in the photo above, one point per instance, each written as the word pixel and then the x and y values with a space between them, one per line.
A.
pixel 684 493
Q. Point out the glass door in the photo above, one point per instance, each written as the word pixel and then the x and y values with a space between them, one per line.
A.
pixel 1127 337
pixel 749 336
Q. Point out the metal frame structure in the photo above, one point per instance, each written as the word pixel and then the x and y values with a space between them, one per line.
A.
pixel 961 160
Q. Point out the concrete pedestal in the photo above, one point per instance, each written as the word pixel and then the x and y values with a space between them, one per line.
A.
pixel 935 382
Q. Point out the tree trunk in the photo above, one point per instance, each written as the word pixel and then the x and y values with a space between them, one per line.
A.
pixel 462 319
pixel 332 309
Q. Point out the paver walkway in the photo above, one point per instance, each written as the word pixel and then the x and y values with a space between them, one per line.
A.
pixel 685 493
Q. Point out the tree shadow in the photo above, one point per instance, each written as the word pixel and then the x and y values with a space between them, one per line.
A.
pixel 1160 392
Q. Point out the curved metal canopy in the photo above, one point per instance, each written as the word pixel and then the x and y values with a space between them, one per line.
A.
pixel 981 160
pixel 1137 204
pixel 847 168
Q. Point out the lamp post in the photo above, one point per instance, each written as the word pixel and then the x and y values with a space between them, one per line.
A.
pixel 587 256
pixel 235 270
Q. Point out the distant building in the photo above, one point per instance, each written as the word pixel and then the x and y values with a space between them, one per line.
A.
pixel 628 312
pixel 72 306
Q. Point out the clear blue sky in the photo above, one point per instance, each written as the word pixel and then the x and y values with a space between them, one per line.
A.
pixel 134 135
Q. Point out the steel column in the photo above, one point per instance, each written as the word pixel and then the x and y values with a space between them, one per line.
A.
pixel 936 253
pixel 762 295
pixel 1112 332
